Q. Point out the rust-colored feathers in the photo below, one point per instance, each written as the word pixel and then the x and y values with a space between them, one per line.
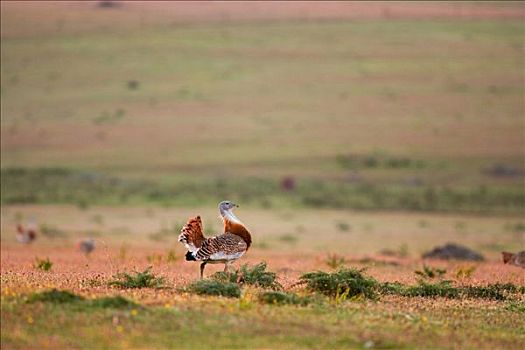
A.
pixel 191 234
pixel 239 230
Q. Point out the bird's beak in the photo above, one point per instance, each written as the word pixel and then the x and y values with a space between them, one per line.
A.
pixel 236 205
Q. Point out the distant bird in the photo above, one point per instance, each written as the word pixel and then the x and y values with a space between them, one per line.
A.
pixel 25 235
pixel 517 259
pixel 222 249
pixel 86 246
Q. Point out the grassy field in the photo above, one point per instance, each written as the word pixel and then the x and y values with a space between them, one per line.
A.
pixel 346 103
pixel 293 242
pixel 357 137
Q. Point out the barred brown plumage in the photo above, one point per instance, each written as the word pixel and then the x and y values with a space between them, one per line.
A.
pixel 224 248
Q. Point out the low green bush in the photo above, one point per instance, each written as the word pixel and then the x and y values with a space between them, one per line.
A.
pixel 344 283
pixel 255 276
pixel 54 296
pixel 144 279
pixel 282 298
pixel 215 287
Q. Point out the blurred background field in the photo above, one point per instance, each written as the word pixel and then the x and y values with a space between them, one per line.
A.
pixel 380 110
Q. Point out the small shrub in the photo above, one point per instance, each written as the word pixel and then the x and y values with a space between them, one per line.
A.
pixel 144 279
pixel 334 261
pixel 255 276
pixel 430 272
pixel 440 289
pixel 215 287
pixel 54 296
pixel 282 298
pixel 345 282
pixel 445 289
pixel 494 291
pixel 394 288
pixel 43 264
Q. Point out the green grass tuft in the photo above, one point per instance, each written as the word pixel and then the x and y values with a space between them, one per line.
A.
pixel 496 291
pixel 43 264
pixel 255 276
pixel 445 289
pixel 439 289
pixel 335 261
pixel 343 284
pixel 144 279
pixel 215 287
pixel 282 298
pixel 430 272
pixel 54 296
pixel 116 302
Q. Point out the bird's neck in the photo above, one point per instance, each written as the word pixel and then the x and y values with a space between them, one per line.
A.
pixel 233 225
pixel 228 215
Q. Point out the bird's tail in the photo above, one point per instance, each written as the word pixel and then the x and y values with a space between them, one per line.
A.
pixel 191 234
pixel 190 256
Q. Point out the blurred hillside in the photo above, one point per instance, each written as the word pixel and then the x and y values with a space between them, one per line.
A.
pixel 416 106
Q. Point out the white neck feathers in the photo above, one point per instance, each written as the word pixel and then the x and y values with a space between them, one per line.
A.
pixel 229 216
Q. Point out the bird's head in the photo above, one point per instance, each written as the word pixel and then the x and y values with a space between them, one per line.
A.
pixel 227 205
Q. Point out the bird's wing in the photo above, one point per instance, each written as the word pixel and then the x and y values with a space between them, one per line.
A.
pixel 223 247
pixel 191 234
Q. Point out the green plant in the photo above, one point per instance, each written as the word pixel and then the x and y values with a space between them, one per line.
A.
pixel 465 271
pixel 496 291
pixel 281 298
pixel 215 287
pixel 144 279
pixel 439 289
pixel 334 261
pixel 256 276
pixel 43 264
pixel 430 272
pixel 116 302
pixel 345 283
pixel 54 296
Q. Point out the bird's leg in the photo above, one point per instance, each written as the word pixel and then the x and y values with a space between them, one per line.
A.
pixel 226 265
pixel 202 268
